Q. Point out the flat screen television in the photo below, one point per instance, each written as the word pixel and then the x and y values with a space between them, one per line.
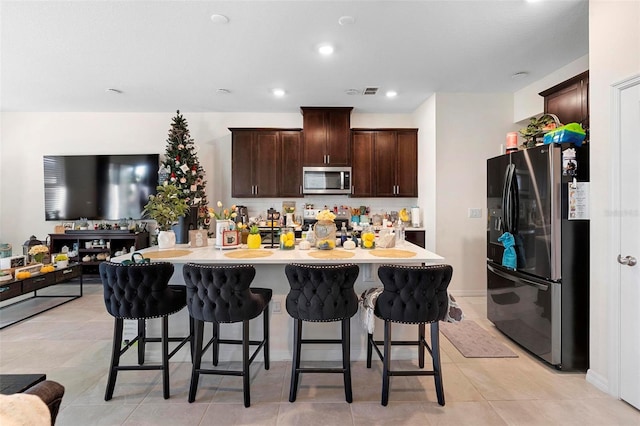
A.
pixel 98 187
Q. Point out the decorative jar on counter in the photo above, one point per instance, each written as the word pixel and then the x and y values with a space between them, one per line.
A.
pixel 254 240
pixel 368 238
pixel 325 233
pixel 287 239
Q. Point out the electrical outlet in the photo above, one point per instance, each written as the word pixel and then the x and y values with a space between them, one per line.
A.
pixel 475 213
pixel 276 307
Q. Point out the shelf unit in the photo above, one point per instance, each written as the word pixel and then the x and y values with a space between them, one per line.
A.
pixel 38 293
pixel 114 241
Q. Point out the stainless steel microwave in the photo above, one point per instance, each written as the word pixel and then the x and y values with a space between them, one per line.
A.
pixel 326 180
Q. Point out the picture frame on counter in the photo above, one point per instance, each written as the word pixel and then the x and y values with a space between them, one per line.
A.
pixel 198 238
pixel 230 238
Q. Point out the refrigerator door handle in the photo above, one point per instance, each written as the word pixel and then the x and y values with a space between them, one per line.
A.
pixel 505 199
pixel 517 278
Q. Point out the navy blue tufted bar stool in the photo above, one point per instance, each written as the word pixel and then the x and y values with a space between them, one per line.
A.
pixel 141 292
pixel 321 293
pixel 411 295
pixel 221 294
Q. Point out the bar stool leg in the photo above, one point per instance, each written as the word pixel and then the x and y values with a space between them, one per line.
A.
pixel 142 340
pixel 115 357
pixel 435 354
pixel 295 363
pixel 191 337
pixel 165 356
pixel 346 358
pixel 245 364
pixel 369 349
pixel 198 329
pixel 386 363
pixel 421 345
pixel 215 346
pixel 265 328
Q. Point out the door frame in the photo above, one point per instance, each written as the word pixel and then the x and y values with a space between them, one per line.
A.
pixel 615 240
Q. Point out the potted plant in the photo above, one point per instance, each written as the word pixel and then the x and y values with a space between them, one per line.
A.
pixel 165 207
pixel 62 260
pixel 537 127
pixel 253 239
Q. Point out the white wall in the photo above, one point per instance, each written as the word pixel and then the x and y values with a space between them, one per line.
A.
pixel 425 119
pixel 526 101
pixel 614 54
pixel 26 137
pixel 470 128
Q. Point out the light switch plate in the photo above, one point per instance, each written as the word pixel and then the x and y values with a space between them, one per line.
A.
pixel 475 213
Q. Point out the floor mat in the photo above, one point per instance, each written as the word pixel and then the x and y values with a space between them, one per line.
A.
pixel 474 341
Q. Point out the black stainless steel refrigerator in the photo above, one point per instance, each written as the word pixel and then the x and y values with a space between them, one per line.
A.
pixel 543 304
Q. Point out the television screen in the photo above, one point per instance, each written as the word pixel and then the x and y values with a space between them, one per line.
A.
pixel 98 187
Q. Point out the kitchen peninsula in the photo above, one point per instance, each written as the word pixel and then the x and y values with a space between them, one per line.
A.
pixel 269 264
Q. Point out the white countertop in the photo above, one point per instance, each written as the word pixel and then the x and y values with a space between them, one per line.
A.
pixel 211 254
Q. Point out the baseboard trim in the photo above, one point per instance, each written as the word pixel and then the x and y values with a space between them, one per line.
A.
pixel 599 381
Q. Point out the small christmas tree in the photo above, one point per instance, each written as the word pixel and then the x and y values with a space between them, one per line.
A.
pixel 182 167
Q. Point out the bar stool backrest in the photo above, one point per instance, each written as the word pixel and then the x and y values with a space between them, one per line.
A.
pixel 322 292
pixel 221 293
pixel 138 291
pixel 413 294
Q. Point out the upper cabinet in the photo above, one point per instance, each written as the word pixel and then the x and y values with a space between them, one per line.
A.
pixel 265 163
pixel 290 184
pixel 362 167
pixel 569 100
pixel 385 163
pixel 327 136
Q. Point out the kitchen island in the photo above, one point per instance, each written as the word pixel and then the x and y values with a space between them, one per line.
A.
pixel 269 264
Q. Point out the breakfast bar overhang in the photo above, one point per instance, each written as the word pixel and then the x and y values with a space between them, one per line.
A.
pixel 269 264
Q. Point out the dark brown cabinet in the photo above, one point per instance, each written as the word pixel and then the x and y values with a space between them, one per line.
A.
pixel 385 163
pixel 362 166
pixel 327 136
pixel 290 184
pixel 416 237
pixel 265 163
pixel 569 100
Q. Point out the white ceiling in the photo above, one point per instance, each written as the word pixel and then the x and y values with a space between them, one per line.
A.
pixel 168 55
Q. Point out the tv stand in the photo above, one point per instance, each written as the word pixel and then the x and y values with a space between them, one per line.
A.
pixel 97 245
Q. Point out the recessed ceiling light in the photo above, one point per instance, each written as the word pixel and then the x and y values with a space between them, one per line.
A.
pixel 519 75
pixel 111 90
pixel 391 94
pixel 219 19
pixel 325 49
pixel 346 20
pixel 223 91
pixel 352 92
pixel 278 92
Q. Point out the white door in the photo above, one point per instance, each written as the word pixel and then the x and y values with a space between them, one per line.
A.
pixel 630 244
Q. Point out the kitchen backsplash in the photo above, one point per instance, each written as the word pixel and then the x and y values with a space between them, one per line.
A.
pixel 259 207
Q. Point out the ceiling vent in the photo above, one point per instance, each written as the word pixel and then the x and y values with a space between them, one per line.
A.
pixel 370 91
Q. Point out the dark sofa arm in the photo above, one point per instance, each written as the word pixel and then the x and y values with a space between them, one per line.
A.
pixel 51 393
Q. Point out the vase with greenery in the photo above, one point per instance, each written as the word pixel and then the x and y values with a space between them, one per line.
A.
pixel 165 207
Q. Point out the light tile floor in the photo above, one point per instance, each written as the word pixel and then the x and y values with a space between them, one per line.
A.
pixel 71 344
